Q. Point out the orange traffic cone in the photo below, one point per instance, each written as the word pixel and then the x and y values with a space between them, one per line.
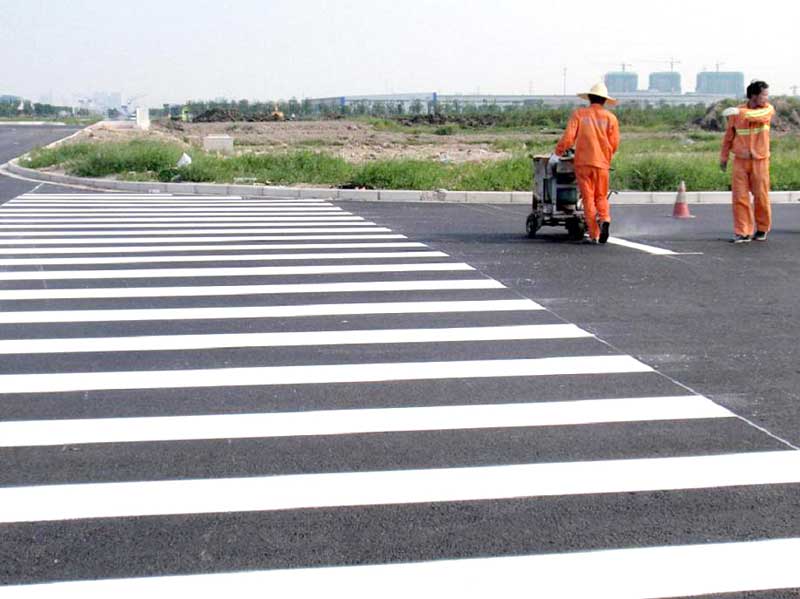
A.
pixel 681 208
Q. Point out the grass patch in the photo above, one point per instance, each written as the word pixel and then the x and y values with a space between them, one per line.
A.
pixel 645 163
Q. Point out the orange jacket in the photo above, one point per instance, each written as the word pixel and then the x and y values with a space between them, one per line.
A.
pixel 748 133
pixel 595 133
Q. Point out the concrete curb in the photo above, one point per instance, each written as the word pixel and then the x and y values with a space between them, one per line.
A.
pixel 376 195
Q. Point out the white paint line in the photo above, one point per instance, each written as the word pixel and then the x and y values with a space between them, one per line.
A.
pixel 356 421
pixel 87 222
pixel 316 374
pixel 290 339
pixel 139 249
pixel 125 200
pixel 8 215
pixel 176 211
pixel 392 487
pixel 30 194
pixel 105 203
pixel 225 290
pixel 156 198
pixel 193 239
pixel 241 271
pixel 281 228
pixel 404 255
pixel 656 251
pixel 130 315
pixel 131 228
pixel 635 573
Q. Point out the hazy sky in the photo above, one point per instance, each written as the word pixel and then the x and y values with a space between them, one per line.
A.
pixel 174 50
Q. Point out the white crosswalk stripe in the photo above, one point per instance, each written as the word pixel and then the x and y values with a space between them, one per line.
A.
pixel 344 422
pixel 416 427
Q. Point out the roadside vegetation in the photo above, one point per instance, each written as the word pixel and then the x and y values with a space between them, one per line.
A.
pixel 660 148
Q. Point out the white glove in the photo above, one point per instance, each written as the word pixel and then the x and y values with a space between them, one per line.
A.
pixel 552 160
pixel 733 110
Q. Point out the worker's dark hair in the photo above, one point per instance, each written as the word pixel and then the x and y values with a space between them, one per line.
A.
pixel 597 99
pixel 756 87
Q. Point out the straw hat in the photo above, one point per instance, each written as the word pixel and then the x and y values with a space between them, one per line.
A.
pixel 599 89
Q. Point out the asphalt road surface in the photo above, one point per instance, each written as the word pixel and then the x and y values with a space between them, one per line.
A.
pixel 16 140
pixel 213 395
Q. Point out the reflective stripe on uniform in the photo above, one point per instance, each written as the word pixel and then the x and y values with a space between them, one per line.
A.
pixel 757 114
pixel 753 130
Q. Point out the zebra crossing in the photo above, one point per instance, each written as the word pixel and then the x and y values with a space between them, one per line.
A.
pixel 215 394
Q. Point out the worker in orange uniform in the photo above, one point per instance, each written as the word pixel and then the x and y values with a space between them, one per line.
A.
pixel 594 131
pixel 747 136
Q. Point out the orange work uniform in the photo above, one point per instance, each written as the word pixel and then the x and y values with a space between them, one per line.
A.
pixel 594 131
pixel 747 136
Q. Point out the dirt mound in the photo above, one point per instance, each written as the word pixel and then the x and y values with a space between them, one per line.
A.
pixel 786 119
pixel 229 115
pixel 462 120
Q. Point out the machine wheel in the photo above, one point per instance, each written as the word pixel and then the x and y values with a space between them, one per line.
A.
pixel 576 229
pixel 532 225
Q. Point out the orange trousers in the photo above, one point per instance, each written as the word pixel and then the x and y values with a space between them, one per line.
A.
pixel 593 183
pixel 751 176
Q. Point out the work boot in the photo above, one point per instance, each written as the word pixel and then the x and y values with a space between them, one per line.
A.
pixel 590 241
pixel 760 236
pixel 604 227
pixel 741 239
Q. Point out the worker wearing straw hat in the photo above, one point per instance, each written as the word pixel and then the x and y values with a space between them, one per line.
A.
pixel 594 131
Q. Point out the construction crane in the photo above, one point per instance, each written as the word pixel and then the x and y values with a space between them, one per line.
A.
pixel 794 90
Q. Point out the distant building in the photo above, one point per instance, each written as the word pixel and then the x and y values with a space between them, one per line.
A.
pixel 724 83
pixel 621 82
pixel 667 82
pixel 8 99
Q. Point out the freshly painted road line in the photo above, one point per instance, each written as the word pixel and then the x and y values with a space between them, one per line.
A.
pixel 242 271
pixel 423 307
pixel 317 374
pixel 656 251
pixel 138 249
pixel 223 290
pixel 635 573
pixel 305 491
pixel 222 258
pixel 356 421
pixel 147 343
pixel 282 228
pixel 193 239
